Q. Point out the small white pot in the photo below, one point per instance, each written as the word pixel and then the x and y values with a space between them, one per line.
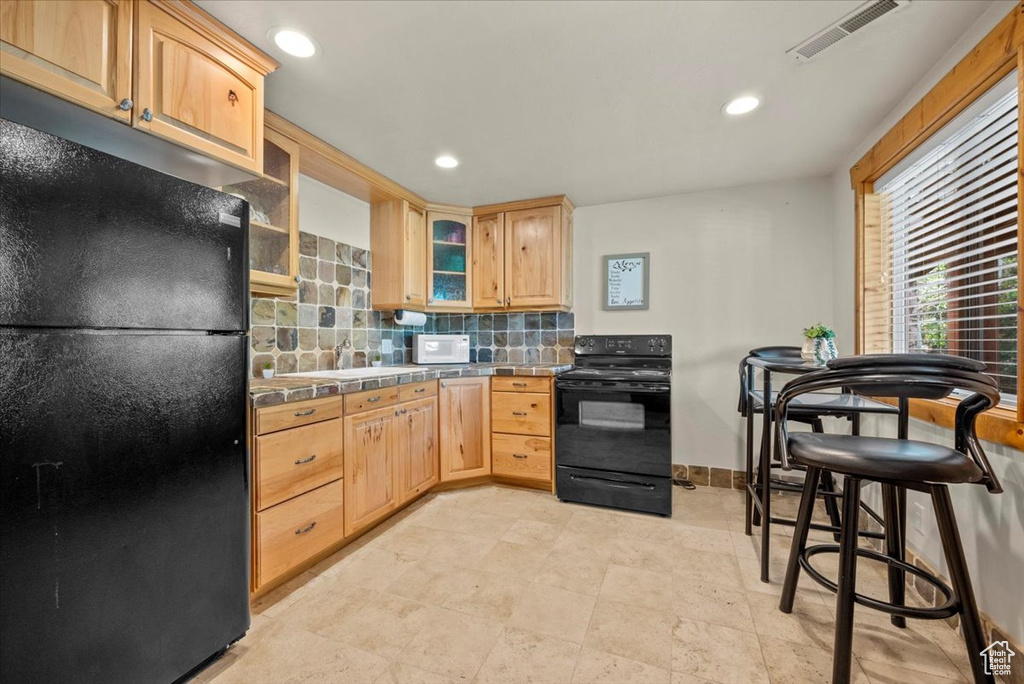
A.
pixel 819 350
pixel 267 374
pixel 376 364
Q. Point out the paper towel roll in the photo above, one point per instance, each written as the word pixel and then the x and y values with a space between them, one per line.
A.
pixel 403 317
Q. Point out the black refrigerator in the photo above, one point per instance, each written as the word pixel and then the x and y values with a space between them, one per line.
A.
pixel 124 484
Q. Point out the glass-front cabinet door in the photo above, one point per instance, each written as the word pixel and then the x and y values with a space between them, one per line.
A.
pixel 449 277
pixel 273 217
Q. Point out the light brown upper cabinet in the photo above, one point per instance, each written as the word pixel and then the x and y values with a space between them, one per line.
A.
pixel 193 89
pixel 80 50
pixel 489 261
pixel 164 66
pixel 465 419
pixel 398 242
pixel 273 217
pixel 513 256
pixel 449 264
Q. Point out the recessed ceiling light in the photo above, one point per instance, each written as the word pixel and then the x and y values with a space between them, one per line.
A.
pixel 293 42
pixel 741 105
pixel 446 161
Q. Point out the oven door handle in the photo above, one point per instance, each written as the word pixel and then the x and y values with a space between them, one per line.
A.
pixel 647 388
pixel 620 484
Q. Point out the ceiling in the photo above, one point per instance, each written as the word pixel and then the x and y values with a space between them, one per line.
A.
pixel 602 101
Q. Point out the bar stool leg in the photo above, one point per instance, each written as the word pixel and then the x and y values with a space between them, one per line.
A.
pixel 970 620
pixel 803 527
pixel 750 470
pixel 894 547
pixel 766 479
pixel 842 650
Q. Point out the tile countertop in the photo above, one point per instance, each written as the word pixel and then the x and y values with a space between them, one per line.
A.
pixel 287 388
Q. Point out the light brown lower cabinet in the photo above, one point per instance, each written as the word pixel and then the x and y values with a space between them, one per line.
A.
pixel 465 427
pixel 298 529
pixel 370 491
pixel 416 448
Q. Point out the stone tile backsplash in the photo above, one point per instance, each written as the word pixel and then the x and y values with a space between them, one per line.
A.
pixel 330 321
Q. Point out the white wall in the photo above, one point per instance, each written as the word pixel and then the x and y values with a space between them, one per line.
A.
pixel 992 526
pixel 332 214
pixel 730 270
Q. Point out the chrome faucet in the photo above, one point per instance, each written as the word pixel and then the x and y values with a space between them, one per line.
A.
pixel 345 345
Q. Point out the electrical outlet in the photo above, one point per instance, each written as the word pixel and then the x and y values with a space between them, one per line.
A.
pixel 918 518
pixel 387 347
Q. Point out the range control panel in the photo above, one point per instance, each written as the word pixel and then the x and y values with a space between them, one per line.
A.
pixel 624 345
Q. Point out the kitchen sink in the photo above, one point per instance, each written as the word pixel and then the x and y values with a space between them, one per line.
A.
pixel 353 373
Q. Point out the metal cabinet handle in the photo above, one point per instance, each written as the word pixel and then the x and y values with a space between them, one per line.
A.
pixel 404 411
pixel 408 297
pixel 125 104
pixel 308 459
pixel 147 114
pixel 305 413
pixel 430 300
pixel 444 385
pixel 508 301
pixel 419 390
pixel 373 400
pixel 518 455
pixel 519 413
pixel 519 384
pixel 498 300
pixel 307 528
pixel 298 279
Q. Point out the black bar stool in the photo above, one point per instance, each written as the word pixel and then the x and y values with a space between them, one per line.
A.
pixel 921 466
pixel 809 410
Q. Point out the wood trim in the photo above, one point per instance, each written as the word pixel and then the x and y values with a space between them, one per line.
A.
pixel 990 60
pixel 212 29
pixel 998 53
pixel 562 200
pixel 999 426
pixel 331 166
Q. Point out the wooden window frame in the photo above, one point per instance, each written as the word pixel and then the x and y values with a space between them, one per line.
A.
pixel 998 54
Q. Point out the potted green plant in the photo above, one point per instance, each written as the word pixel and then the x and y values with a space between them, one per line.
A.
pixel 819 344
pixel 375 359
pixel 268 370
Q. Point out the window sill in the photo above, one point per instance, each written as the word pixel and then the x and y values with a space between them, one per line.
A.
pixel 999 426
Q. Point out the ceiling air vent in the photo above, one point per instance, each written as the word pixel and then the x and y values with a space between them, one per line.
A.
pixel 854 21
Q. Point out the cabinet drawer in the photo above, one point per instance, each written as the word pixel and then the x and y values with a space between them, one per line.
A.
pixel 519 383
pixel 521 414
pixel 292 532
pixel 370 399
pixel 521 456
pixel 291 462
pixel 284 416
pixel 421 390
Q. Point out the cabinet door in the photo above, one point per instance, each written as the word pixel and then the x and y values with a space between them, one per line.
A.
pixel 191 91
pixel 489 261
pixel 415 257
pixel 533 253
pixel 273 217
pixel 448 260
pixel 416 447
pixel 80 50
pixel 369 468
pixel 465 419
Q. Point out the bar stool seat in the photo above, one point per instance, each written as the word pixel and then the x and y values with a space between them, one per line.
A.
pixel 880 458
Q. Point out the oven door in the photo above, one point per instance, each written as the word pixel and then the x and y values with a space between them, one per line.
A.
pixel 620 427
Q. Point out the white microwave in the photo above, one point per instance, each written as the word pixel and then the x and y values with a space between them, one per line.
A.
pixel 440 349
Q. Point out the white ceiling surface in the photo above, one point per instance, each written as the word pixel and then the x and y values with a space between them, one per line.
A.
pixel 603 101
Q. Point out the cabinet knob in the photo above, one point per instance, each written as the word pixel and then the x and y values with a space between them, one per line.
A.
pixel 430 300
pixel 498 300
pixel 444 384
pixel 508 301
pixel 125 104
pixel 298 279
pixel 408 297
pixel 232 97
pixel 147 114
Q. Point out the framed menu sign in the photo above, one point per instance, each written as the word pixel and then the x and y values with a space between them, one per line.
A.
pixel 627 281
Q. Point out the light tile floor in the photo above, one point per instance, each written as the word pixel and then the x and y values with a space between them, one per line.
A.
pixel 494 584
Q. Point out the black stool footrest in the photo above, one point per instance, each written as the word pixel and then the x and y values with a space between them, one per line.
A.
pixel 948 609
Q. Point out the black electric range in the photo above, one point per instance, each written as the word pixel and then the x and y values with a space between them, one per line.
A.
pixel 613 440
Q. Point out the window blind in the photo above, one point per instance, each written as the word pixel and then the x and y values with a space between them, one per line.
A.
pixel 943 276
